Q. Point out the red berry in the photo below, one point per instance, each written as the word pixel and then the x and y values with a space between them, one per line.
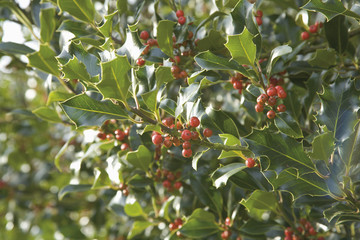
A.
pixel 186 145
pixel 271 114
pixel 294 237
pixel 124 146
pixel 239 76
pixel 300 229
pixel 288 232
pixel 272 101
pixel 282 94
pixel 127 131
pixel 168 121
pixel 175 69
pixel 122 186
pixel 279 88
pixel 101 135
pixel 250 162
pixel 125 192
pixel 259 13
pixel 259 21
pixel 305 35
pixel 176 142
pixel 237 85
pixel 119 135
pixel 186 135
pixel 179 125
pixel 271 91
pixel 194 122
pixel 177 185
pixel 140 61
pixel 225 234
pixel 191 35
pixel 166 183
pixel 259 107
pixel 320 238
pixel 281 108
pixel 187 153
pixel 262 99
pixel 157 139
pixel 146 50
pixel 183 74
pixel 313 28
pixel 182 20
pixel 168 143
pixel 288 238
pixel 227 221
pixel 109 136
pixel 179 13
pixel 144 35
pixel 170 176
pixel 177 59
pixel 178 221
pixel 207 132
pixel 151 42
pixel 172 226
pixel 194 135
pixel 312 231
pixel 234 79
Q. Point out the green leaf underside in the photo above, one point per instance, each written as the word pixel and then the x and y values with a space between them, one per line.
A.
pixel 115 82
pixel 231 169
pixel 330 9
pixel 282 151
pixel 15 48
pixel 73 188
pixel 85 111
pixel 47 23
pixel 242 48
pixel 275 54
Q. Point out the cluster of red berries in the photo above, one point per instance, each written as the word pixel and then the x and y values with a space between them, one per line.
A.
pixel 186 135
pixel 270 98
pixel 305 230
pixel 176 225
pixel 124 188
pixel 180 16
pixel 170 180
pixel 177 72
pixel 239 82
pixel 312 29
pixel 150 42
pixel 227 233
pixel 111 130
pixel 258 17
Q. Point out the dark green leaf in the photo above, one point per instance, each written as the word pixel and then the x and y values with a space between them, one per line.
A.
pixel 350 149
pixel 340 102
pixel 77 28
pixel 140 158
pixel 260 200
pixel 210 61
pixel 286 124
pixel 81 9
pixel 197 157
pixel 168 106
pixel 324 58
pixel 337 210
pixel 85 111
pixel 323 146
pixel 275 54
pixel 259 228
pixel 15 48
pixel 214 41
pixel 330 9
pixel 282 150
pixel 337 34
pixel 74 69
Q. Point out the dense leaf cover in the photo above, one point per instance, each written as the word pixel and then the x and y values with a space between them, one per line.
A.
pixel 224 119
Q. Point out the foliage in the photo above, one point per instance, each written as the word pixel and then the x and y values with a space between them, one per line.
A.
pixel 276 82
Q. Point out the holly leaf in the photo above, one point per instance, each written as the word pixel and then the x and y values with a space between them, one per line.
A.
pixel 210 61
pixel 73 188
pixel 283 151
pixel 349 150
pixel 138 227
pixel 115 82
pixel 200 225
pixel 165 41
pixel 242 47
pixel 141 158
pixel 74 69
pixel 222 175
pixel 337 34
pixel 58 96
pixel 79 29
pixel 106 28
pixel 133 209
pixel 47 24
pixel 323 146
pixel 323 58
pixel 274 56
pixel 44 60
pixel 132 46
pixel 86 111
pixel 330 9
pixel 15 48
pixel 47 114
pixel 288 125
pixel 81 9
pixel 340 102
pixel 261 200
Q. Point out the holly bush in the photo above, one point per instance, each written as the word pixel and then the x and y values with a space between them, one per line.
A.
pixel 224 119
